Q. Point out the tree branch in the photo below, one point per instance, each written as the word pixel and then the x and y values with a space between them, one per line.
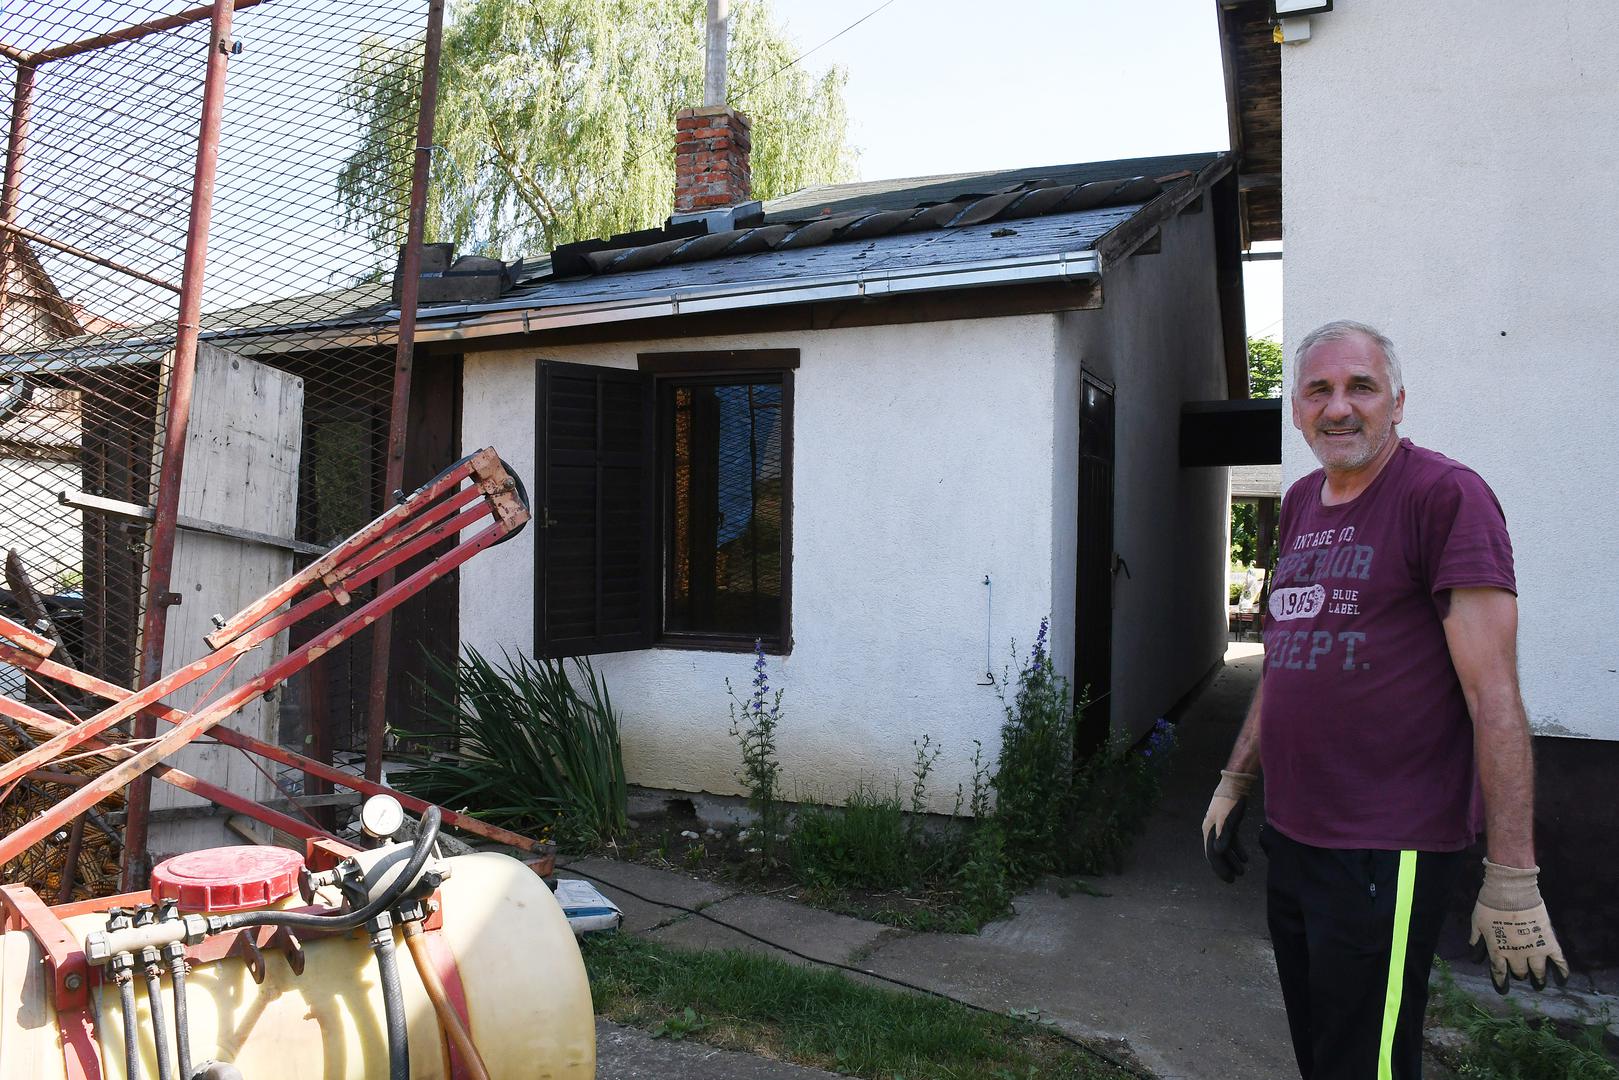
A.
pixel 532 194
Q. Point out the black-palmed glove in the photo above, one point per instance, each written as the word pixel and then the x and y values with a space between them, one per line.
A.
pixel 1511 927
pixel 1222 844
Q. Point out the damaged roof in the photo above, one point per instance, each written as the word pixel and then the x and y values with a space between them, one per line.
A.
pixel 861 232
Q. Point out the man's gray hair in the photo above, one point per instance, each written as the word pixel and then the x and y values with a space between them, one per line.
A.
pixel 1339 329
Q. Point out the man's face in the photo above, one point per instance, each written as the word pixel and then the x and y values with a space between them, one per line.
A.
pixel 1344 403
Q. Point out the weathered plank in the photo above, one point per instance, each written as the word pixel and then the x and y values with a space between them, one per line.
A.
pixel 243 447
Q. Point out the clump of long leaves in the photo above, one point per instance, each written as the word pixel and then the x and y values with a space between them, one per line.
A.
pixel 535 747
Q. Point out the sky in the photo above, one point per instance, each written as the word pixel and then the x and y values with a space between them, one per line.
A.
pixel 941 86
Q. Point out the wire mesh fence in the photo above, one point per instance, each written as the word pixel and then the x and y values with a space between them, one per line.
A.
pixel 295 378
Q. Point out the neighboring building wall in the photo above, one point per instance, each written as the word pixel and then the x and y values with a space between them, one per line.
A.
pixel 1478 236
pixel 1157 338
pixel 922 461
pixel 1449 177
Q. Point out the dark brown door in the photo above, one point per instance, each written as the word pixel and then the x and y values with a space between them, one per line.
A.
pixel 1093 659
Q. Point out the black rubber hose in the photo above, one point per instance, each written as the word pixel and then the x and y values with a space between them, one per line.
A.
pixel 132 1053
pixel 393 1005
pixel 160 1035
pixel 418 858
pixel 182 1026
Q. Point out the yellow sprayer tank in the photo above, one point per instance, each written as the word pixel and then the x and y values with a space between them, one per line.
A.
pixel 503 938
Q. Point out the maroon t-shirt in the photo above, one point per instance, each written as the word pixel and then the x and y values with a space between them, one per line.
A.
pixel 1365 737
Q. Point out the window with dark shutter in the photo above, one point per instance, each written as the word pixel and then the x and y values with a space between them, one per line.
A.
pixel 724 449
pixel 594 583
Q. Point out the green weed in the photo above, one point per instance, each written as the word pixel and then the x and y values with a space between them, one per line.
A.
pixel 1516 1046
pixel 753 725
pixel 865 844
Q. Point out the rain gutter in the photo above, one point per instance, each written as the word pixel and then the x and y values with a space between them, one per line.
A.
pixel 461 321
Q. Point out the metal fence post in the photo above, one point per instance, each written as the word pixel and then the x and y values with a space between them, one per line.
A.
pixel 399 415
pixel 176 417
pixel 16 140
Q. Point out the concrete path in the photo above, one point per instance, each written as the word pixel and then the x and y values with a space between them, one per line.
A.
pixel 1169 967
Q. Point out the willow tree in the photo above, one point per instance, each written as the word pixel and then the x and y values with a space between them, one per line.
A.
pixel 556 120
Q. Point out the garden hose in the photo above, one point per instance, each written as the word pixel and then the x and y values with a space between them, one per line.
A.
pixel 454 1030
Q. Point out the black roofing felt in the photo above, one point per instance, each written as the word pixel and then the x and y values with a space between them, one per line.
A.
pixel 831 199
pixel 876 227
pixel 833 214
pixel 1051 234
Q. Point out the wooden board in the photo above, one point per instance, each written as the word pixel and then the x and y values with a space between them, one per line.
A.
pixel 243 446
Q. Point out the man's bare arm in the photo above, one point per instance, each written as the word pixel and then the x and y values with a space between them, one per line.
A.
pixel 1245 753
pixel 1481 629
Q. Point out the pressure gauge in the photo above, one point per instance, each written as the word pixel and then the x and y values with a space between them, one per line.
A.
pixel 381 816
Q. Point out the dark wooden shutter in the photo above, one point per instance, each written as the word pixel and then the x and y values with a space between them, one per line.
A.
pixel 593 570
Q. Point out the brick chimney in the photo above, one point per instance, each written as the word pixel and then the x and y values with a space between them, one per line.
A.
pixel 711 159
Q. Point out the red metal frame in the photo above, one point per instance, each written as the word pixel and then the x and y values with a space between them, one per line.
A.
pixel 32 717
pixel 368 554
pixel 410 277
pixel 154 628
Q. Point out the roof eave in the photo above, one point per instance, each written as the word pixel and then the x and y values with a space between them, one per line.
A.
pixel 492 320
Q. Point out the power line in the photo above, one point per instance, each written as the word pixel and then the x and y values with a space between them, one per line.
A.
pixel 817 48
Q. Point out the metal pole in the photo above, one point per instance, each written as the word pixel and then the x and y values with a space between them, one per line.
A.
pixel 719 25
pixel 376 717
pixel 21 98
pixel 132 33
pixel 79 253
pixel 178 413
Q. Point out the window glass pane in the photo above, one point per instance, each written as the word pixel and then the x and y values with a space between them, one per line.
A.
pixel 725 502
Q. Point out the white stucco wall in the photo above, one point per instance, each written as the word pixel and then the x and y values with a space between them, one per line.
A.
pixel 922 461
pixel 1449 172
pixel 1157 338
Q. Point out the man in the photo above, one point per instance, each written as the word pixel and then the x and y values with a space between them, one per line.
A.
pixel 1389 705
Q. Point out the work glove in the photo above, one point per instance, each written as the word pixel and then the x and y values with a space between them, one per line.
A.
pixel 1222 844
pixel 1511 928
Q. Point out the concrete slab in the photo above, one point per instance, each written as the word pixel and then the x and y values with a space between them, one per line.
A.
pixel 627 1054
pixel 626 884
pixel 815 933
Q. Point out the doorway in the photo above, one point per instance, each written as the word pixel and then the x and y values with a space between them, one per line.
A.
pixel 1093 638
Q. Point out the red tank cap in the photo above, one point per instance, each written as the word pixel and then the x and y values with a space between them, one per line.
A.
pixel 227 878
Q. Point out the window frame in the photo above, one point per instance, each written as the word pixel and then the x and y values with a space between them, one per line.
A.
pixel 717 368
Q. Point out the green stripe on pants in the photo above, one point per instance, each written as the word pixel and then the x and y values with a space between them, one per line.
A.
pixel 1404 888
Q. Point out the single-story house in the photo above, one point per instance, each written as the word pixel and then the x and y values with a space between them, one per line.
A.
pixel 1447 176
pixel 884 429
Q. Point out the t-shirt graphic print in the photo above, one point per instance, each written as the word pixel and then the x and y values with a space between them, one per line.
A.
pixel 1365 737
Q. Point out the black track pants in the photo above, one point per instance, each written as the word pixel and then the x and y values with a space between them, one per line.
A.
pixel 1339 920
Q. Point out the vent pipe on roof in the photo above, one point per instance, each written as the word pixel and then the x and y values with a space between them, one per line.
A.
pixel 713 143
pixel 719 34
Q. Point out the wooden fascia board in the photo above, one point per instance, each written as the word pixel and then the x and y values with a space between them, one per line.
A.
pixel 1120 242
pixel 943 306
pixel 1233 107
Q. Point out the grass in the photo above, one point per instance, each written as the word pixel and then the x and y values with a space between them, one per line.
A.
pixel 744 1001
pixel 1515 1046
